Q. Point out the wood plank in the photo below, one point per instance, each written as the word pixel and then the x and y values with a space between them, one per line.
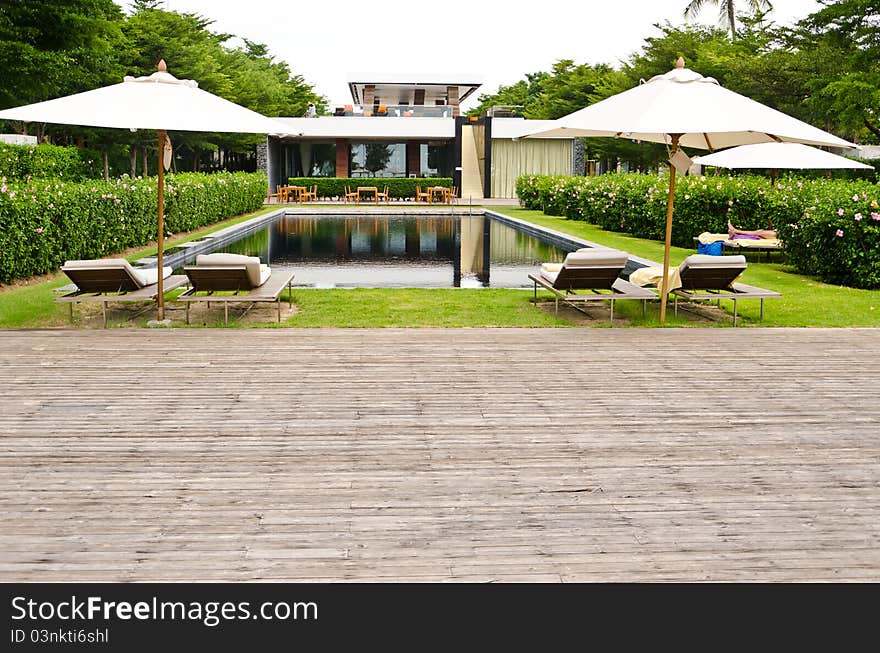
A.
pixel 557 455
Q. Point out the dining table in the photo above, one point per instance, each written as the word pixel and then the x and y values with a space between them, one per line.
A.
pixel 296 192
pixel 443 191
pixel 368 189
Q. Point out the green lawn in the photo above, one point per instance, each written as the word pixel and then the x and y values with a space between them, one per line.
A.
pixel 805 302
pixel 418 307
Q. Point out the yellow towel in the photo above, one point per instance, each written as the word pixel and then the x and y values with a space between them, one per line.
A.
pixel 706 238
pixel 551 267
pixel 764 243
pixel 652 276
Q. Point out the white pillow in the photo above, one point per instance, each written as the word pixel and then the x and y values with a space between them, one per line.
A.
pixel 251 263
pixel 149 276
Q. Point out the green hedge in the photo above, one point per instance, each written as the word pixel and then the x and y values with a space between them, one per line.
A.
pixel 44 223
pixel 830 228
pixel 398 187
pixel 46 162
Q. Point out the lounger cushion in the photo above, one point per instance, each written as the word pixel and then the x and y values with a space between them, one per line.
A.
pixel 141 276
pixel 589 257
pixel 705 261
pixel 149 276
pixel 257 273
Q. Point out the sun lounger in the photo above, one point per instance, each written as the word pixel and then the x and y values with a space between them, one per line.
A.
pixel 244 276
pixel 714 277
pixel 740 244
pixel 115 280
pixel 594 270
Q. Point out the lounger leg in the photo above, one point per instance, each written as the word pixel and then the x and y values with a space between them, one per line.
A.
pixel 644 308
pixel 612 312
pixel 290 293
pixel 278 306
pixel 536 297
pixel 762 303
pixel 734 311
pixel 187 312
pixel 557 306
pixel 675 304
pixel 226 312
pixel 71 311
pixel 104 311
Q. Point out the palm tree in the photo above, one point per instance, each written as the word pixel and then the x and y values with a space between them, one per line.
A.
pixel 727 10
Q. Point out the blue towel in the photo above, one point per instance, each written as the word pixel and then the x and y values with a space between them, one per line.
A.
pixel 712 249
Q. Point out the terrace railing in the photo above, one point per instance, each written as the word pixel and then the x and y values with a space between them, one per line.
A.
pixel 395 110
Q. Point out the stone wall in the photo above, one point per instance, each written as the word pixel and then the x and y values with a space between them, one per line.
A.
pixel 578 157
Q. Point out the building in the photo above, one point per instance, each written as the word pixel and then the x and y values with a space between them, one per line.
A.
pixel 407 126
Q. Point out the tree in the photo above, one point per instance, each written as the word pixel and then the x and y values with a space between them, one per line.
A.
pixel 523 93
pixel 842 43
pixel 50 49
pixel 727 11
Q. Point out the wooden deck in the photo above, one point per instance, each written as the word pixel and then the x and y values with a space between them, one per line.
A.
pixel 432 455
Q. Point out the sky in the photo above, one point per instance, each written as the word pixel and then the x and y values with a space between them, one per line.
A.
pixel 496 41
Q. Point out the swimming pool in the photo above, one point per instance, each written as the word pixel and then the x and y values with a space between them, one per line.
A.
pixel 398 251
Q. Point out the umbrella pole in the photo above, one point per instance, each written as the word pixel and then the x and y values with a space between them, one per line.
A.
pixel 664 281
pixel 161 223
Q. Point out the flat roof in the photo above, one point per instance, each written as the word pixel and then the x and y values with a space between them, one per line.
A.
pixel 399 88
pixel 369 127
pixel 519 127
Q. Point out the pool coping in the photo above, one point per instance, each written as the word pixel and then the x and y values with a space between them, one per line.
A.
pixel 212 241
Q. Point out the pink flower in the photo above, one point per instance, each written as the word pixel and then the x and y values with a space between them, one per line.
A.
pixel 858 216
pixel 38 230
pixel 856 197
pixel 875 215
pixel 3 188
pixel 839 211
pixel 839 233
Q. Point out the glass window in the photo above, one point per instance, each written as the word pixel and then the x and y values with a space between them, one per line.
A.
pixel 308 159
pixel 323 160
pixel 435 160
pixel 378 159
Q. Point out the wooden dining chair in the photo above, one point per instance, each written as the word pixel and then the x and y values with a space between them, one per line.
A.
pixel 423 195
pixel 384 195
pixel 350 195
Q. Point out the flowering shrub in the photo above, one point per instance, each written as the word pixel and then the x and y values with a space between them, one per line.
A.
pixel 45 222
pixel 46 161
pixel 830 228
pixel 838 236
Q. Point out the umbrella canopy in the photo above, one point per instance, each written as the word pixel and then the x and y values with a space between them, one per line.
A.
pixel 705 114
pixel 684 109
pixel 158 102
pixel 779 156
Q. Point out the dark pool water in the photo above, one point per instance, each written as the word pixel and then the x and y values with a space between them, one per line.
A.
pixel 399 251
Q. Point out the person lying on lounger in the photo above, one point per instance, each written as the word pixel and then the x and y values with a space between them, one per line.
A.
pixel 757 234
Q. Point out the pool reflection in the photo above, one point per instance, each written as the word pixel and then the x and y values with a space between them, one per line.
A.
pixel 399 251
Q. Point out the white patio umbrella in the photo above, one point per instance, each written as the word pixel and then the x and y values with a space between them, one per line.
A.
pixel 684 109
pixel 160 102
pixel 779 156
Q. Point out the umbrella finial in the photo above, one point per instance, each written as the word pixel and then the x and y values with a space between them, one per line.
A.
pixel 678 64
pixel 162 67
